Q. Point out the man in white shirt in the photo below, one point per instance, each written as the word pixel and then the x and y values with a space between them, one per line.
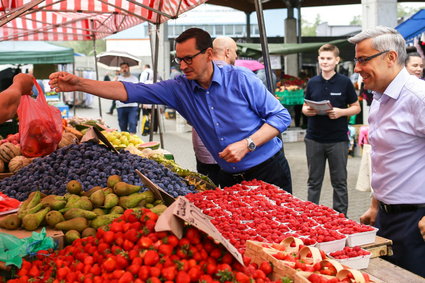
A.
pixel 128 113
pixel 147 74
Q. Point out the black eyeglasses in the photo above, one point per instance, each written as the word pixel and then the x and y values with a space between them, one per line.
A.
pixel 188 59
pixel 363 60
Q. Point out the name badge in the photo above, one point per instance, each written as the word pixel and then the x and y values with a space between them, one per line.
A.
pixel 335 93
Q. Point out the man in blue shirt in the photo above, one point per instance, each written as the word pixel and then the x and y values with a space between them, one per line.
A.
pixel 236 117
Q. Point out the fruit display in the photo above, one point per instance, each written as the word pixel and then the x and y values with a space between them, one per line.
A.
pixel 90 164
pixel 302 263
pixel 122 139
pixel 79 210
pixel 128 250
pixel 262 212
pixel 81 124
pixel 11 159
pixel 199 181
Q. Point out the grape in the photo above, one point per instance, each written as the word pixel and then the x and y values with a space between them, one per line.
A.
pixel 90 164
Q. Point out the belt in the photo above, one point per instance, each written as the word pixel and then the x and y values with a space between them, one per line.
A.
pixel 398 208
pixel 242 174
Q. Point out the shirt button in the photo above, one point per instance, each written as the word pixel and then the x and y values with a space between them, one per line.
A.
pixel 216 124
pixel 234 168
pixel 222 139
pixel 207 92
pixel 212 107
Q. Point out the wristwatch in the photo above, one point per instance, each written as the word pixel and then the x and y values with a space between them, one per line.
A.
pixel 251 144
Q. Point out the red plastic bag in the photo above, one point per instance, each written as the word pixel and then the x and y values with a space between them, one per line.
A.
pixel 40 125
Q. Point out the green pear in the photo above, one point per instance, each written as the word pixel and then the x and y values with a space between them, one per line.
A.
pixel 111 200
pixel 78 212
pixel 98 198
pixel 124 189
pixel 78 223
pixel 99 211
pixel 54 217
pixel 10 222
pixel 131 200
pixel 103 220
pixel 112 180
pixel 89 231
pixel 30 222
pixel 92 190
pixel 71 236
pixel 74 187
pixel 116 210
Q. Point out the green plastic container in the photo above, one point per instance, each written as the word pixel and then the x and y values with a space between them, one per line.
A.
pixel 293 97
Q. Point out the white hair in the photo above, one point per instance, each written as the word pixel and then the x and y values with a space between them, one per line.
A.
pixel 384 38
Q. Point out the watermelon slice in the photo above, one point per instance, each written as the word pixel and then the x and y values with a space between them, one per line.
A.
pixel 151 145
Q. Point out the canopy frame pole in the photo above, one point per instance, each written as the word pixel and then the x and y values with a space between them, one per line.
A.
pixel 155 109
pixel 95 66
pixel 18 12
pixel 264 44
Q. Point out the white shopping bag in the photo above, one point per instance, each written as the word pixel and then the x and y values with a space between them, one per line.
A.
pixel 365 171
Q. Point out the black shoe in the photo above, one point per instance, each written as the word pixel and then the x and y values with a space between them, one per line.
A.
pixel 110 113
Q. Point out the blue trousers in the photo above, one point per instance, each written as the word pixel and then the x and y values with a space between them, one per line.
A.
pixel 128 118
pixel 408 244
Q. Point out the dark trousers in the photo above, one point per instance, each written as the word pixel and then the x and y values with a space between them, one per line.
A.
pixel 408 244
pixel 209 170
pixel 274 170
pixel 337 155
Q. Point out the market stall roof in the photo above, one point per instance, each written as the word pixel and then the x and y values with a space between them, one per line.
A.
pixel 61 20
pixel 249 5
pixel 255 50
pixel 413 26
pixel 34 52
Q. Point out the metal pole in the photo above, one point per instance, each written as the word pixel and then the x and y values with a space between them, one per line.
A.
pixel 248 26
pixel 264 44
pixel 155 110
pixel 300 55
pixel 95 67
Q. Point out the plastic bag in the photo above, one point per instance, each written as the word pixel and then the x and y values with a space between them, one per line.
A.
pixel 13 249
pixel 40 125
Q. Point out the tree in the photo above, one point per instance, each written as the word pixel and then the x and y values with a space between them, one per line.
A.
pixel 403 12
pixel 85 46
pixel 308 29
pixel 357 20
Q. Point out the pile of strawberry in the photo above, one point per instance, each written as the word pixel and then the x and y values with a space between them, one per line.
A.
pixel 130 251
pixel 348 252
pixel 262 212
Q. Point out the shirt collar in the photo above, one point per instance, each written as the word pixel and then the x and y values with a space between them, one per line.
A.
pixel 331 80
pixel 393 90
pixel 217 78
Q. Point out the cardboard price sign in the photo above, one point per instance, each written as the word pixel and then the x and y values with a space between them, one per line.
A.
pixel 187 211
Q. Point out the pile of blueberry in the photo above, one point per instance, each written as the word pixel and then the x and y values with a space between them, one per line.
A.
pixel 91 164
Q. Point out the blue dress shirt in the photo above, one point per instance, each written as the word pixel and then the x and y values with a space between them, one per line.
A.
pixel 235 106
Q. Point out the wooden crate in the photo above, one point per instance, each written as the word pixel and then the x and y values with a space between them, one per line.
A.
pixel 381 247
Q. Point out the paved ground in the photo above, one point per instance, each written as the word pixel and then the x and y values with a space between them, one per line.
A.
pixel 180 144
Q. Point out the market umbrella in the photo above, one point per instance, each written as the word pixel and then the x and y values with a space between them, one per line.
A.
pixel 116 58
pixel 253 65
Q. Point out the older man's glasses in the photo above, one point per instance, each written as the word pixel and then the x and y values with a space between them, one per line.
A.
pixel 188 59
pixel 363 60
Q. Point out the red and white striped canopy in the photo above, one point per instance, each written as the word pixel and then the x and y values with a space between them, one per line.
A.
pixel 62 20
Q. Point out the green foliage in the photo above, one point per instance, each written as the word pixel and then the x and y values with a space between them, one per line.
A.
pixel 405 11
pixel 357 20
pixel 84 47
pixel 309 29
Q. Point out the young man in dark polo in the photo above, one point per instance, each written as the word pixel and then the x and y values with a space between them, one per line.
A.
pixel 327 133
